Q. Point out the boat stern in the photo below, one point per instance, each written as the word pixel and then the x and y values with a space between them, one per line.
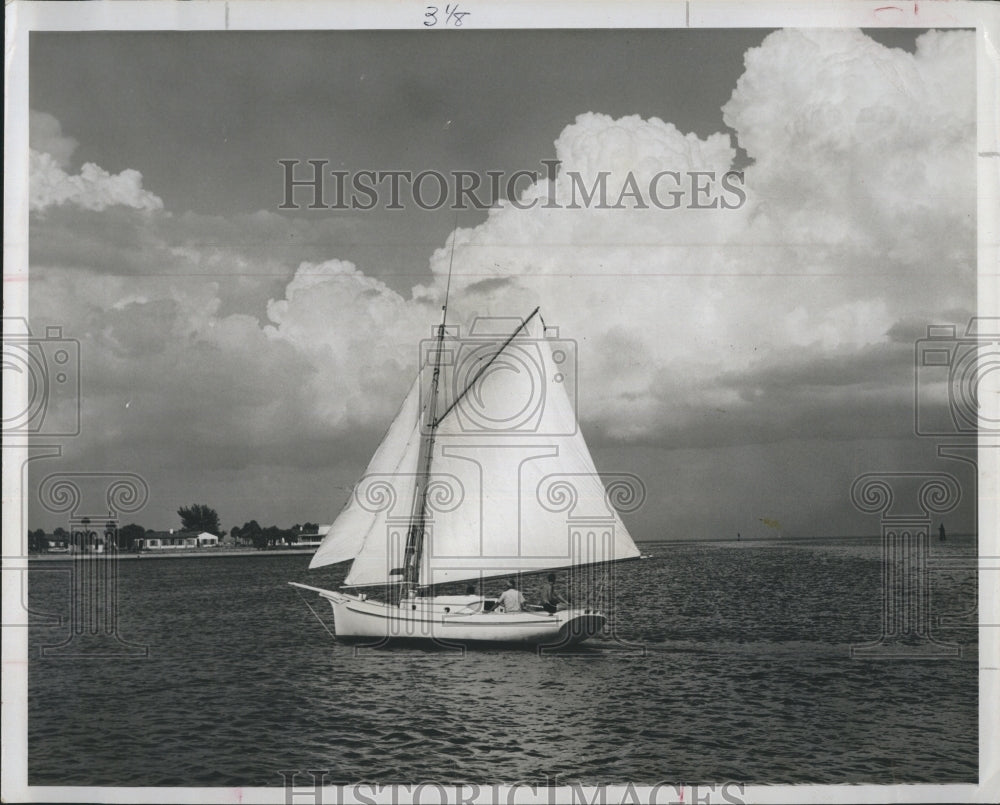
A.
pixel 580 624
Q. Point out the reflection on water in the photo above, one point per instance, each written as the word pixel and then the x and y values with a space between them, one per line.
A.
pixel 746 676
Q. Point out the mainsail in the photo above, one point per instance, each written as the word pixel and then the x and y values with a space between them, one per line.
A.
pixel 512 487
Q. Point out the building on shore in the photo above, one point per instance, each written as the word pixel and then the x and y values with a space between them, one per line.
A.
pixel 310 540
pixel 82 540
pixel 57 543
pixel 176 540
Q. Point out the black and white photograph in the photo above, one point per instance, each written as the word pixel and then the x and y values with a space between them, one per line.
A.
pixel 480 402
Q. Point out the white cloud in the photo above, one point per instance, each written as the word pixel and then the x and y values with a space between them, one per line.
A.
pixel 860 209
pixel 46 137
pixel 359 336
pixel 856 142
pixel 93 188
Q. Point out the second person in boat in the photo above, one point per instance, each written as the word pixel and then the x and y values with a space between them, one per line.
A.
pixel 510 600
pixel 552 598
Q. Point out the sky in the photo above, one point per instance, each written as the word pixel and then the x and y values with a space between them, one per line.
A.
pixel 747 364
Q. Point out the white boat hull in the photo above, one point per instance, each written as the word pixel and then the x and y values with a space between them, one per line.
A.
pixel 456 620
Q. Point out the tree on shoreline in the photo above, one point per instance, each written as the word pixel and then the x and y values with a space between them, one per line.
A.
pixel 200 517
pixel 250 531
pixel 37 541
pixel 270 536
pixel 127 535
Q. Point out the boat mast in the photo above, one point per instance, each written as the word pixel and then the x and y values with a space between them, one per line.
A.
pixel 418 514
pixel 417 532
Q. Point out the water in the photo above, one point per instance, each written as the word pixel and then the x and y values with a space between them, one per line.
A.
pixel 746 676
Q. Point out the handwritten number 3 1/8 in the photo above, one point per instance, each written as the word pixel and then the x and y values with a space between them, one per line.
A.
pixel 452 16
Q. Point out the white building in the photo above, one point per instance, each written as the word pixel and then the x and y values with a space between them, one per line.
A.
pixel 176 540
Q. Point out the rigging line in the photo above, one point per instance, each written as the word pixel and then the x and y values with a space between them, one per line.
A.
pixel 484 367
pixel 447 287
pixel 315 614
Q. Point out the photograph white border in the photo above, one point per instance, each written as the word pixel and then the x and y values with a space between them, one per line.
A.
pixel 124 15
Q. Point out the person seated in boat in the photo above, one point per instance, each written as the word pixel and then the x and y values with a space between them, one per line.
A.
pixel 510 600
pixel 552 598
pixel 477 603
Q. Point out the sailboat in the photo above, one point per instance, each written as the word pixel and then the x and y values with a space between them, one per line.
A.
pixel 483 474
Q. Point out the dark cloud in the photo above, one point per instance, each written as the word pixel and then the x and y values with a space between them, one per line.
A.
pixel 487 286
pixel 117 240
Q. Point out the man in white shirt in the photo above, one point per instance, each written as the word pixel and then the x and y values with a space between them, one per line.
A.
pixel 510 600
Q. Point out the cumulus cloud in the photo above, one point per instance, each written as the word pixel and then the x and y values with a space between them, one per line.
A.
pixel 855 141
pixel 93 188
pixel 859 213
pixel 46 137
pixel 358 334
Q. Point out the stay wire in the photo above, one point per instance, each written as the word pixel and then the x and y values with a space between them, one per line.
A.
pixel 316 614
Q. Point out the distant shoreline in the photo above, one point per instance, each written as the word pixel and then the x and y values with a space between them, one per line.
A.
pixel 643 545
pixel 175 554
pixel 734 540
